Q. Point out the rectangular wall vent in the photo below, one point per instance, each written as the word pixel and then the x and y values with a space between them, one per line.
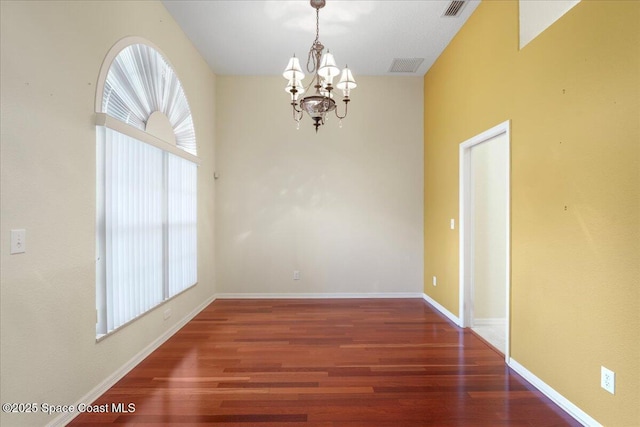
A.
pixel 454 8
pixel 405 65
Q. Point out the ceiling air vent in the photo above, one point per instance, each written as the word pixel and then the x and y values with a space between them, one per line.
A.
pixel 454 8
pixel 405 65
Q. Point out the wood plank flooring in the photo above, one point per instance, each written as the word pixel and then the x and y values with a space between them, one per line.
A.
pixel 325 363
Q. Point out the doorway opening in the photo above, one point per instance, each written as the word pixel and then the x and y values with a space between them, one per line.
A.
pixel 485 235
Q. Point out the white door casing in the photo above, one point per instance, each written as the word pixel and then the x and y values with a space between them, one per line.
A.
pixel 467 231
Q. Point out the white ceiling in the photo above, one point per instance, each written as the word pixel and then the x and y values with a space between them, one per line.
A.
pixel 257 37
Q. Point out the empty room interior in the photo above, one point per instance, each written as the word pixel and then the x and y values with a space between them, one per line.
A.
pixel 442 233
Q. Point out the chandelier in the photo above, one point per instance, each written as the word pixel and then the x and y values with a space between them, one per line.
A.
pixel 324 70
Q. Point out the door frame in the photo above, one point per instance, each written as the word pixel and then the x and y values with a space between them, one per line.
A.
pixel 466 228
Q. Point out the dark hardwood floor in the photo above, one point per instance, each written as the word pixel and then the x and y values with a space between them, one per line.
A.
pixel 321 363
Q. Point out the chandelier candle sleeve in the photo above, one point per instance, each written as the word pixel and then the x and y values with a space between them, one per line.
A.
pixel 297 84
pixel 323 68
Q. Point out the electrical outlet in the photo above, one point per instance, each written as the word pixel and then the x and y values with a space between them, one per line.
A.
pixel 167 313
pixel 296 275
pixel 435 281
pixel 608 380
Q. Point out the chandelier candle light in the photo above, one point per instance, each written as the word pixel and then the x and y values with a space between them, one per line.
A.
pixel 324 70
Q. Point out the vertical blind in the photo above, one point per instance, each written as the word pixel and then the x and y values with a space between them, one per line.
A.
pixel 181 222
pixel 147 225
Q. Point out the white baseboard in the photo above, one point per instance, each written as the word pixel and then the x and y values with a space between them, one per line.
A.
pixel 105 385
pixel 489 322
pixel 441 309
pixel 317 295
pixel 571 409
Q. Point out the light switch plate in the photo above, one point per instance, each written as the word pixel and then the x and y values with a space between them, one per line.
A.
pixel 18 241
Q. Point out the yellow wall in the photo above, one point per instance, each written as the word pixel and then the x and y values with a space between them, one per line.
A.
pixel 573 98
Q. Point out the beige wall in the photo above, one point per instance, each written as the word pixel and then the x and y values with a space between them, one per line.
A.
pixel 51 56
pixel 573 97
pixel 343 206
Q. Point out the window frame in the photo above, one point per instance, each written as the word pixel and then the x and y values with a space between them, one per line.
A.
pixel 104 121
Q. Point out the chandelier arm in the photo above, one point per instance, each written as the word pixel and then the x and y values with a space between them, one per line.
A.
pixel 346 107
pixel 296 114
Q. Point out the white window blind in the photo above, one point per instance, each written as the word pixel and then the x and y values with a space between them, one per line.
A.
pixel 146 190
pixel 141 81
pixel 133 228
pixel 149 222
pixel 182 226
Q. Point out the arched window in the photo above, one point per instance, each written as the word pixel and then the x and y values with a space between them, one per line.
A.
pixel 146 185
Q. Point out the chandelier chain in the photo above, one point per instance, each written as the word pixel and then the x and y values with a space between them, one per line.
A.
pixel 313 61
pixel 317 24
